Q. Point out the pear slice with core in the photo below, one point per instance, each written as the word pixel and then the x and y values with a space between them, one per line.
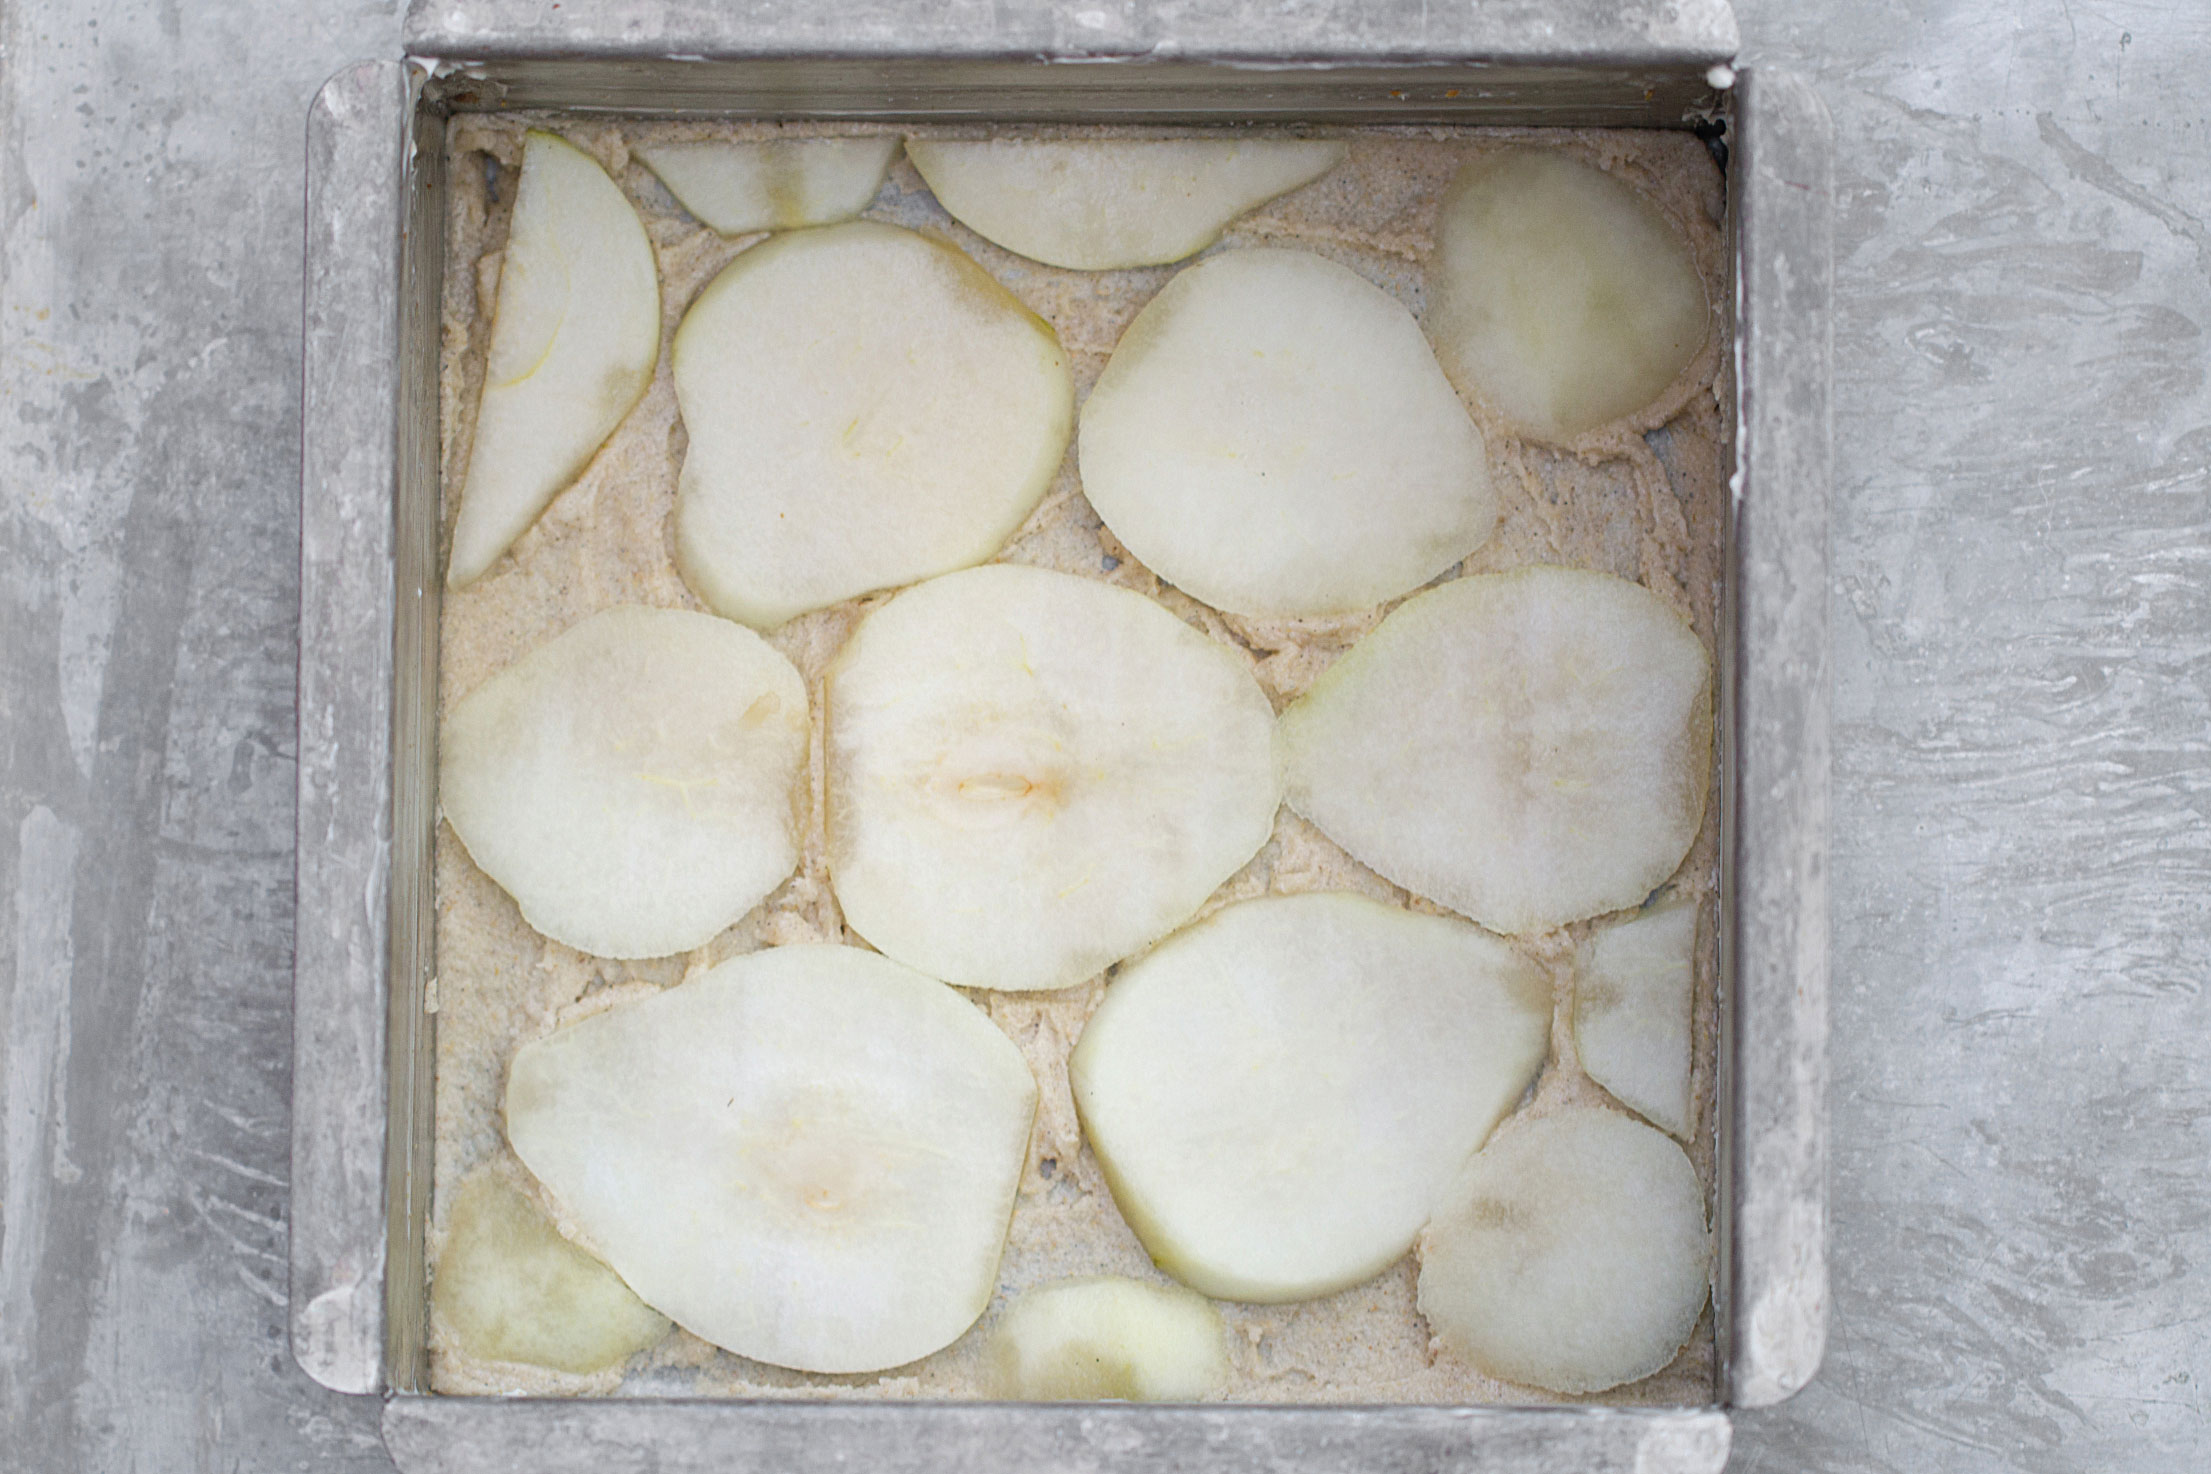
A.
pixel 808 1155
pixel 1098 204
pixel 1109 1338
pixel 632 783
pixel 1032 775
pixel 772 184
pixel 573 342
pixel 1527 748
pixel 1273 436
pixel 510 1288
pixel 866 407
pixel 1571 1254
pixel 1280 1094
pixel 1633 983
pixel 1558 295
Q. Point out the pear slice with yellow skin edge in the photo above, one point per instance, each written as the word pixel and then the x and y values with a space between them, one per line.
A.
pixel 574 339
pixel 510 1288
pixel 1571 1254
pixel 866 407
pixel 1558 295
pixel 1273 436
pixel 1108 1337
pixel 1528 748
pixel 1633 990
pixel 1279 1094
pixel 1033 775
pixel 632 782
pixel 772 184
pixel 1096 204
pixel 807 1155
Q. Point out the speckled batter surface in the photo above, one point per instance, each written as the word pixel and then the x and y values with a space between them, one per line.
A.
pixel 1642 499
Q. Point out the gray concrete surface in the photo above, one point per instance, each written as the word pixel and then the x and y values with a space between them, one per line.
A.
pixel 2022 905
pixel 2022 551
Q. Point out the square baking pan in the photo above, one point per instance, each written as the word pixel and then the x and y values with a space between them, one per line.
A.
pixel 362 1119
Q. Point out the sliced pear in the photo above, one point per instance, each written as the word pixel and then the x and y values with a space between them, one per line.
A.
pixel 1280 1094
pixel 631 784
pixel 1274 437
pixel 1527 748
pixel 772 184
pixel 866 407
pixel 1109 1338
pixel 1032 775
pixel 1632 989
pixel 1570 1255
pixel 1099 204
pixel 808 1155
pixel 573 343
pixel 1558 295
pixel 510 1288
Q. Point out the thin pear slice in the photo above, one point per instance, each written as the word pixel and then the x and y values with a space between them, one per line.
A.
pixel 1032 775
pixel 772 184
pixel 1571 1254
pixel 573 343
pixel 1273 436
pixel 1558 295
pixel 1099 204
pixel 631 784
pixel 510 1288
pixel 866 407
pixel 808 1155
pixel 1109 1338
pixel 1632 989
pixel 1280 1094
pixel 1527 748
